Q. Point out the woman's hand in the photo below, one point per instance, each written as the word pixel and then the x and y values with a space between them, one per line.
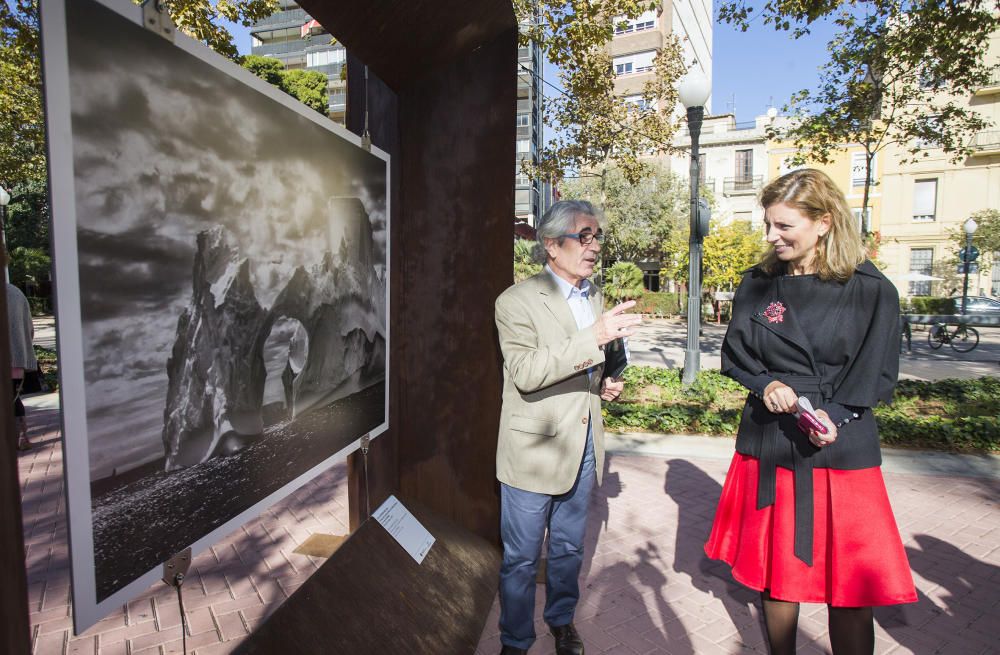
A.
pixel 611 388
pixel 779 398
pixel 820 440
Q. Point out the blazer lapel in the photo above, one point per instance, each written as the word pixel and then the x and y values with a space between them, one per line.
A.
pixel 555 303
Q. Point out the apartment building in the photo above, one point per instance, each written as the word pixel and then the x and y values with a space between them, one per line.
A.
pixel 733 163
pixel 924 203
pixel 637 42
pixel 298 41
pixel 532 197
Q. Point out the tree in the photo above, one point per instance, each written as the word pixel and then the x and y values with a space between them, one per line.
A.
pixel 729 250
pixel 623 281
pixel 899 74
pixel 22 127
pixel 986 238
pixel 594 127
pixel 639 216
pixel 524 265
pixel 308 87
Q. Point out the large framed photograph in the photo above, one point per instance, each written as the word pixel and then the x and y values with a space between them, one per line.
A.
pixel 221 259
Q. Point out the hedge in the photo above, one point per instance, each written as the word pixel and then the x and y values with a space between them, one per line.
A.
pixel 950 415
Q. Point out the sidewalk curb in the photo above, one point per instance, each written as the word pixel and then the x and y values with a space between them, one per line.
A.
pixel 894 460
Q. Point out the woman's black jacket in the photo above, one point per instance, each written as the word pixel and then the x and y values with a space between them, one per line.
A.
pixel 845 364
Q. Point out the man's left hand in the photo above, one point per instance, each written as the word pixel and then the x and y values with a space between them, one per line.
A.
pixel 611 388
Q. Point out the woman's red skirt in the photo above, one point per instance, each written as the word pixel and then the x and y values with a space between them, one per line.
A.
pixel 858 556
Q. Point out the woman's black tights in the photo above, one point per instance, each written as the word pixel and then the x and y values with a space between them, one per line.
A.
pixel 852 630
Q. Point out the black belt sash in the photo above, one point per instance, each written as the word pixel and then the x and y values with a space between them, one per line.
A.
pixel 802 468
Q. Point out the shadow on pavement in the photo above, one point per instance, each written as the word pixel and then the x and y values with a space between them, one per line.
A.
pixel 697 495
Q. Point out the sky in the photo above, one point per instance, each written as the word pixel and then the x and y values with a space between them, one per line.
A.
pixel 752 70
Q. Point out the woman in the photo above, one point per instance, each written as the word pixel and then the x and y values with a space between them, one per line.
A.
pixel 22 352
pixel 804 516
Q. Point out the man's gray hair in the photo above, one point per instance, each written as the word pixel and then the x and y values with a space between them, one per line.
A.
pixel 558 220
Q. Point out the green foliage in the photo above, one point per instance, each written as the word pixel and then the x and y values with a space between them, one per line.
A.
pixel 524 265
pixel 29 266
pixel 951 415
pixel 638 216
pixel 22 126
pixel 48 366
pixel 728 251
pixel 986 238
pixel 308 87
pixel 203 20
pixel 659 303
pixel 594 126
pixel 930 305
pixel 623 281
pixel 899 73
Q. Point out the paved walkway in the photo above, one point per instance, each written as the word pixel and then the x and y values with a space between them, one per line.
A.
pixel 647 587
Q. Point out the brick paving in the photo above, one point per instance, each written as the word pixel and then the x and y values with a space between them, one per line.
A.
pixel 647 588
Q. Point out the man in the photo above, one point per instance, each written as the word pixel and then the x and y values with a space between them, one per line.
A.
pixel 551 442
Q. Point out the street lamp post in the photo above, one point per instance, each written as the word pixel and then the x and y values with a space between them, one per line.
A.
pixel 694 90
pixel 970 228
pixel 4 199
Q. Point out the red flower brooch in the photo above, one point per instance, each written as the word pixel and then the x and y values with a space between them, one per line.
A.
pixel 775 312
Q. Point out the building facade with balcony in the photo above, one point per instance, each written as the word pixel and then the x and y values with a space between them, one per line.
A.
pixel 532 197
pixel 733 164
pixel 637 42
pixel 846 169
pixel 926 202
pixel 299 42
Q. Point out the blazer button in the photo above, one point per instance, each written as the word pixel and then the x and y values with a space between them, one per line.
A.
pixel 584 421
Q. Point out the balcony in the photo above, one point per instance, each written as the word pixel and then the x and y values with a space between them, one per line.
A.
pixel 990 88
pixel 707 183
pixel 273 49
pixel 288 18
pixel 740 186
pixel 985 144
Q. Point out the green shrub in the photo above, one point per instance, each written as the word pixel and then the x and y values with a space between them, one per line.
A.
pixel 658 303
pixel 623 281
pixel 951 415
pixel 931 305
pixel 48 365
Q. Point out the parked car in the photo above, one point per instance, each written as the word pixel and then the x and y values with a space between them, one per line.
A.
pixel 978 305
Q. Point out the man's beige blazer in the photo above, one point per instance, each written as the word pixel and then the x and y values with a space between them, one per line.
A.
pixel 548 398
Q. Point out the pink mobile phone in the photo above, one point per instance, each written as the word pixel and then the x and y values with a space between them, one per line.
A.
pixel 807 421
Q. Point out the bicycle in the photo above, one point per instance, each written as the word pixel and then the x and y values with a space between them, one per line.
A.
pixel 962 339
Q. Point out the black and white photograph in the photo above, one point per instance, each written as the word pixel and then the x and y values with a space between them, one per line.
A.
pixel 221 271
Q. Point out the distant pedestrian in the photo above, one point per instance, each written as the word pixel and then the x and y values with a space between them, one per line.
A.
pixel 804 514
pixel 22 352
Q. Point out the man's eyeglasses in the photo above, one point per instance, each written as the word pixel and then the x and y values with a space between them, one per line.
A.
pixel 585 238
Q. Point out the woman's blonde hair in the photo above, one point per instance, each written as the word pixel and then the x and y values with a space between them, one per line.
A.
pixel 813 193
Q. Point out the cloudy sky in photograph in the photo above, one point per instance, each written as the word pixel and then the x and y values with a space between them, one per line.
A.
pixel 166 146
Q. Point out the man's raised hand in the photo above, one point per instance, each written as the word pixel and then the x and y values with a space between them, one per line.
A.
pixel 615 323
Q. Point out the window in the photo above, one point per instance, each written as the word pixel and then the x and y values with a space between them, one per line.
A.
pixel 637 100
pixel 521 180
pixel 645 21
pixel 523 145
pixel 744 166
pixel 324 57
pixel 924 200
pixel 636 62
pixel 523 120
pixel 858 169
pixel 921 261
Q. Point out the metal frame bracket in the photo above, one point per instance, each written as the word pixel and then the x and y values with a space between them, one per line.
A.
pixel 156 19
